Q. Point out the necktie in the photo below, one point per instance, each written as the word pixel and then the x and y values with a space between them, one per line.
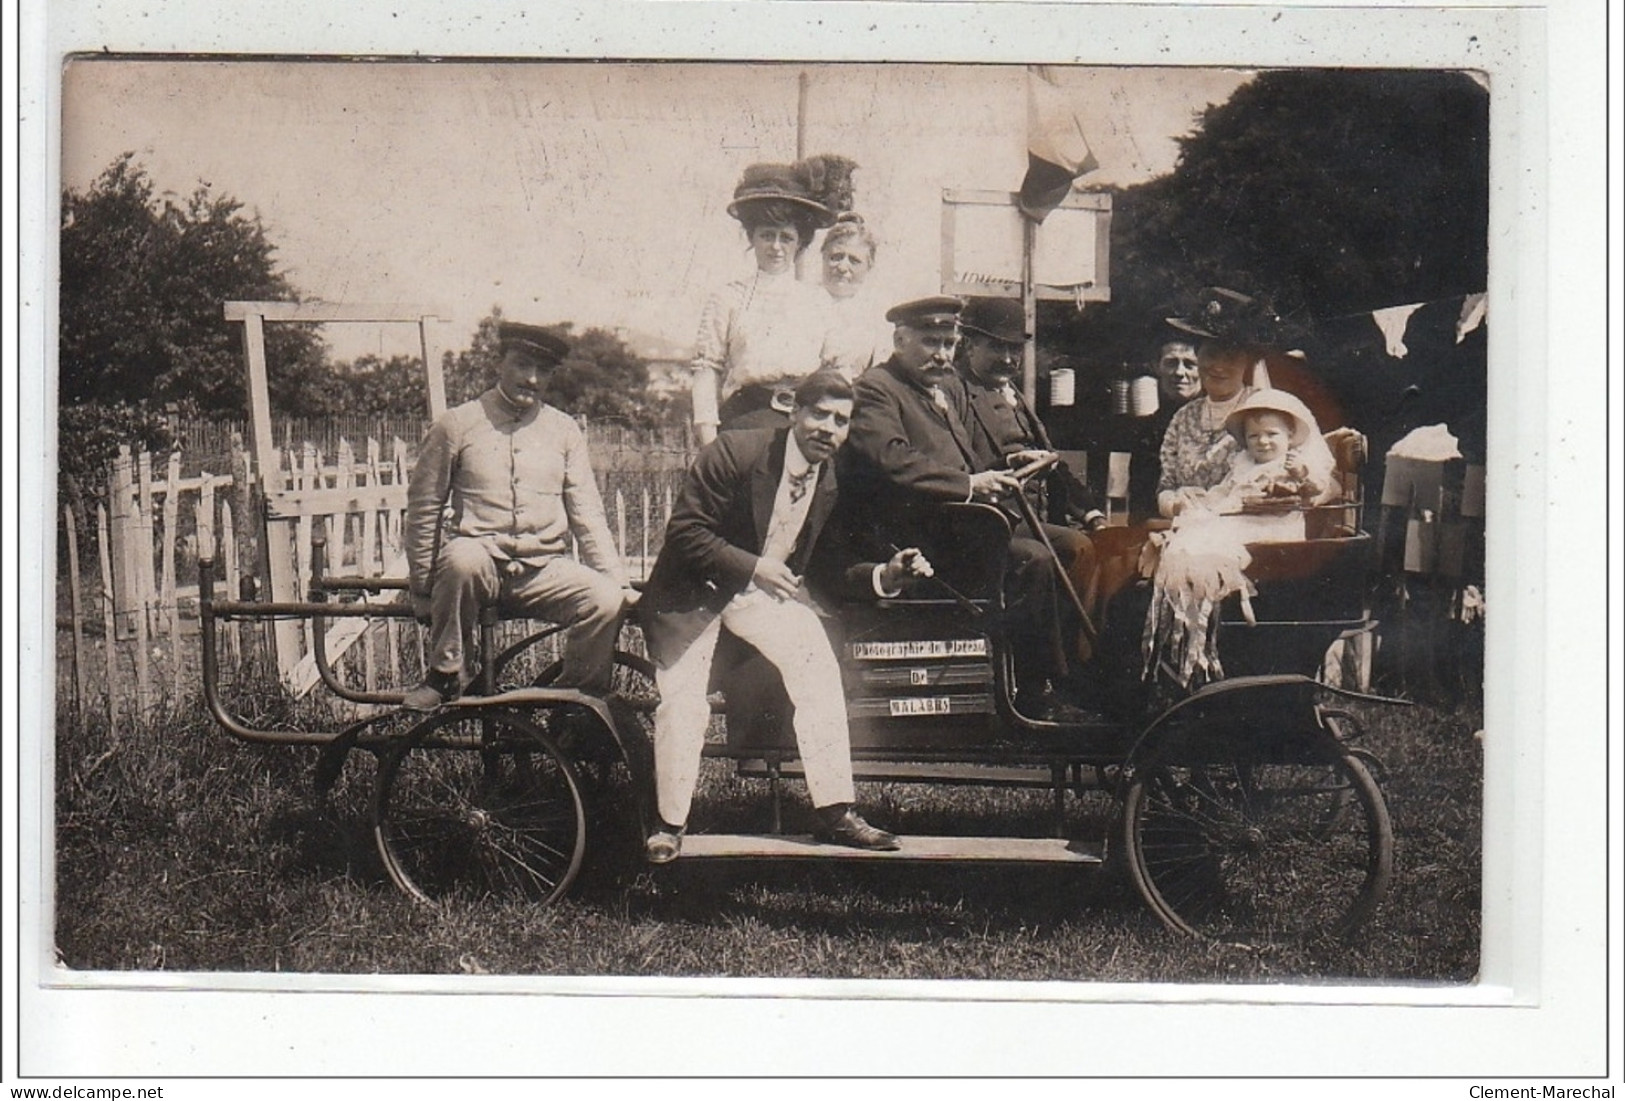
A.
pixel 1009 393
pixel 799 484
pixel 939 399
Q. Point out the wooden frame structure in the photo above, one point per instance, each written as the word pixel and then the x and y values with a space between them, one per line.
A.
pixel 1023 285
pixel 284 505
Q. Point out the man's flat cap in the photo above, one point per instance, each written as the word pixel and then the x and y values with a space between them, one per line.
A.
pixel 531 340
pixel 937 312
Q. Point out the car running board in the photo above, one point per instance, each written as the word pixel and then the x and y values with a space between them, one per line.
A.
pixel 1026 850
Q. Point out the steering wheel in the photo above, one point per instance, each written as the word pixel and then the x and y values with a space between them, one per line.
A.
pixel 1038 466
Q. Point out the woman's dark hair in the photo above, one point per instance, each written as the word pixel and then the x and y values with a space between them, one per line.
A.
pixel 826 382
pixel 779 212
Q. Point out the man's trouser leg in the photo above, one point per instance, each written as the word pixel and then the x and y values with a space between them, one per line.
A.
pixel 1077 555
pixel 465 580
pixel 681 719
pixel 791 636
pixel 564 591
pixel 1035 630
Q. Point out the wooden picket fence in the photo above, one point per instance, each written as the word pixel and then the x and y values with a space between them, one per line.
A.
pixel 162 514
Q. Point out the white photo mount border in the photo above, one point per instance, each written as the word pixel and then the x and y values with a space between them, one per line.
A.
pixel 1543 905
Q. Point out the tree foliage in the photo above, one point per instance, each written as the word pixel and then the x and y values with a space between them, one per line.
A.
pixel 393 387
pixel 143 278
pixel 601 379
pixel 142 334
pixel 1331 192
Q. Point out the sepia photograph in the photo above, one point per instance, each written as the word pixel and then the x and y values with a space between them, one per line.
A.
pixel 891 529
pixel 1177 633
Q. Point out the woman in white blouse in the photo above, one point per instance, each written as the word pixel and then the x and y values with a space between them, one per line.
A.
pixel 761 335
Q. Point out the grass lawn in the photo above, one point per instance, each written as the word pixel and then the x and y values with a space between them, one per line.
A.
pixel 180 849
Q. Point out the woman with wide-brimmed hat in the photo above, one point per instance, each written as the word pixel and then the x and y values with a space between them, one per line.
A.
pixel 1240 344
pixel 1197 448
pixel 760 335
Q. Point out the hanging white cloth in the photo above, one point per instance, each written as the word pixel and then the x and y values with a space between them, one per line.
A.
pixel 1472 316
pixel 1393 322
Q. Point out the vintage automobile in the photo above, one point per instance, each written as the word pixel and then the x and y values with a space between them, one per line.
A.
pixel 1245 810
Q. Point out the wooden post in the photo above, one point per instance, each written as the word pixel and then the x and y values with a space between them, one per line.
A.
pixel 109 639
pixel 205 531
pixel 206 516
pixel 311 480
pixel 244 546
pixel 142 685
pixel 123 587
pixel 1029 314
pixel 369 559
pixel 232 571
pixel 147 587
pixel 643 542
pixel 342 521
pixel 432 367
pixel 74 610
pixel 620 522
pixel 169 615
pixel 259 394
pixel 278 554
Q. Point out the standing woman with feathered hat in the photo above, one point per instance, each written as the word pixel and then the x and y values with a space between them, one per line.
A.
pixel 761 335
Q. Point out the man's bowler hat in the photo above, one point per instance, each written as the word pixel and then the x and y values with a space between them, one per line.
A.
pixel 531 340
pixel 937 312
pixel 1003 319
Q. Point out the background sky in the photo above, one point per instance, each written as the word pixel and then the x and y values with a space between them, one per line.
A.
pixel 589 192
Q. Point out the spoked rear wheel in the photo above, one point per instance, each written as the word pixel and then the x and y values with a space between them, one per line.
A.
pixel 473 805
pixel 1254 851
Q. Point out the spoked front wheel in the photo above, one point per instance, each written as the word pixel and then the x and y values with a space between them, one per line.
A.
pixel 1256 851
pixel 474 805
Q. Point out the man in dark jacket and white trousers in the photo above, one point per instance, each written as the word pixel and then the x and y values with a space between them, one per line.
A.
pixel 742 548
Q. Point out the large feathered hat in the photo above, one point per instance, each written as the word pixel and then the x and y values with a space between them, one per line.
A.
pixel 778 183
pixel 1224 314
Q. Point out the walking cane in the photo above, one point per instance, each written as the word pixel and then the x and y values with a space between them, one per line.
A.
pixel 1033 522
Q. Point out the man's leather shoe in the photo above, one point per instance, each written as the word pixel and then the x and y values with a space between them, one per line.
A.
pixel 841 825
pixel 663 845
pixel 1046 706
pixel 437 688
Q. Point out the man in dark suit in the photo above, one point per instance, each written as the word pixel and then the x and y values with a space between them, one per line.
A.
pixel 741 551
pixel 1006 434
pixel 911 451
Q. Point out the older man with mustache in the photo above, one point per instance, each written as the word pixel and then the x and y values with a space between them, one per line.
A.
pixel 912 450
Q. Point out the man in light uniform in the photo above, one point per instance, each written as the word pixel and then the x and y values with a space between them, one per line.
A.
pixel 516 474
